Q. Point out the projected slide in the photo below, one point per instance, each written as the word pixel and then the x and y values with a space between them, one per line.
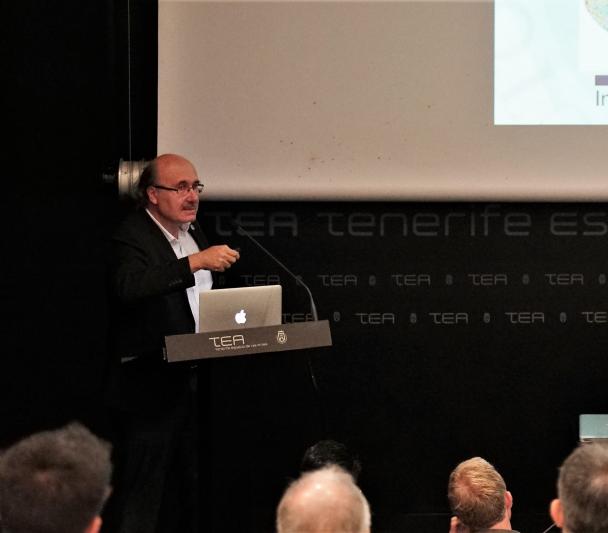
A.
pixel 381 101
pixel 551 62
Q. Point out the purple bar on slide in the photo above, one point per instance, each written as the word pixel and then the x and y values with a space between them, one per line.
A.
pixel 601 80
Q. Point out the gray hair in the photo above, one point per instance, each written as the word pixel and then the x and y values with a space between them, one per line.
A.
pixel 325 500
pixel 54 481
pixel 582 488
pixel 147 178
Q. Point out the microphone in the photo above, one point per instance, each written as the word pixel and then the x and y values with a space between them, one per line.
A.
pixel 239 229
pixel 313 308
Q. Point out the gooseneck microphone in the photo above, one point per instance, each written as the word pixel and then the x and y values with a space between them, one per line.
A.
pixel 239 229
pixel 313 308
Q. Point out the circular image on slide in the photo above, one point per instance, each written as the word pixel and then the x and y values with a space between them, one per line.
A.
pixel 599 11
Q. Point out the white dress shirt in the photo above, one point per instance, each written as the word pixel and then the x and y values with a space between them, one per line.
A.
pixel 183 246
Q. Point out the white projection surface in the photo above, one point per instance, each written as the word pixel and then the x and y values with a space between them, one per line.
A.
pixel 551 62
pixel 372 100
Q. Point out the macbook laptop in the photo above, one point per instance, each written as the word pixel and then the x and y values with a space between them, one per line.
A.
pixel 242 307
pixel 593 427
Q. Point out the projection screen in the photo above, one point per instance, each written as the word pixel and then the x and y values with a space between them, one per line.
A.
pixel 370 100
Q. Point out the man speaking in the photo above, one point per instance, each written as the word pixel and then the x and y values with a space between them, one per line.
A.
pixel 160 261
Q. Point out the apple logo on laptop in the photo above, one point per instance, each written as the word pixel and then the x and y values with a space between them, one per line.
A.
pixel 241 317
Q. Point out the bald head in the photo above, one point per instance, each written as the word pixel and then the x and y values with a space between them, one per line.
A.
pixel 160 169
pixel 168 164
pixel 323 501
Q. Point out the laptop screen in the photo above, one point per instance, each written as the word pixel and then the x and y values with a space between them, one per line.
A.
pixel 242 307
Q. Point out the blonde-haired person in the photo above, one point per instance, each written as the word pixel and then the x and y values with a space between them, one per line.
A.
pixel 479 499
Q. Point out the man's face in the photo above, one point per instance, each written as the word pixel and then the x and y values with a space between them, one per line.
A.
pixel 171 207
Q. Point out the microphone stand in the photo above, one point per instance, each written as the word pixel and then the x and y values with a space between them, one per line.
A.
pixel 313 308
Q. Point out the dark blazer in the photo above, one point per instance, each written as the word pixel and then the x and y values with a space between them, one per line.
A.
pixel 147 285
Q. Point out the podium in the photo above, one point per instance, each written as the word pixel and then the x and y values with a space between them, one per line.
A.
pixel 247 341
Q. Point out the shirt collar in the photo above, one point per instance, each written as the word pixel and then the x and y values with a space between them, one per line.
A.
pixel 183 227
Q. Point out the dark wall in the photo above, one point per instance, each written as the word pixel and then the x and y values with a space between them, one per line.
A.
pixel 459 329
pixel 66 122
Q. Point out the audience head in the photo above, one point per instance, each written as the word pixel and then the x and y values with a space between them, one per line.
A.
pixel 330 452
pixel 582 489
pixel 323 501
pixel 55 482
pixel 478 495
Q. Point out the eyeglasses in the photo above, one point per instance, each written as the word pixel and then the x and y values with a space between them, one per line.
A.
pixel 183 188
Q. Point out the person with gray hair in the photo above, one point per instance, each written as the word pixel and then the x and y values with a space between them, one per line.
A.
pixel 324 501
pixel 55 482
pixel 582 489
pixel 160 262
pixel 479 499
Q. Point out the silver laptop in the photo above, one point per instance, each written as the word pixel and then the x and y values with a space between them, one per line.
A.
pixel 242 307
pixel 593 428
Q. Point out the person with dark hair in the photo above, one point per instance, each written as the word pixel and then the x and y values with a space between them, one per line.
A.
pixel 55 482
pixel 330 452
pixel 160 262
pixel 479 499
pixel 326 500
pixel 582 489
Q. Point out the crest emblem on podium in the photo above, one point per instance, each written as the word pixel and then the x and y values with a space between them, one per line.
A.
pixel 281 337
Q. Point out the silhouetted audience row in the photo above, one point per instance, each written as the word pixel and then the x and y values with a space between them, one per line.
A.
pixel 480 501
pixel 58 481
pixel 326 499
